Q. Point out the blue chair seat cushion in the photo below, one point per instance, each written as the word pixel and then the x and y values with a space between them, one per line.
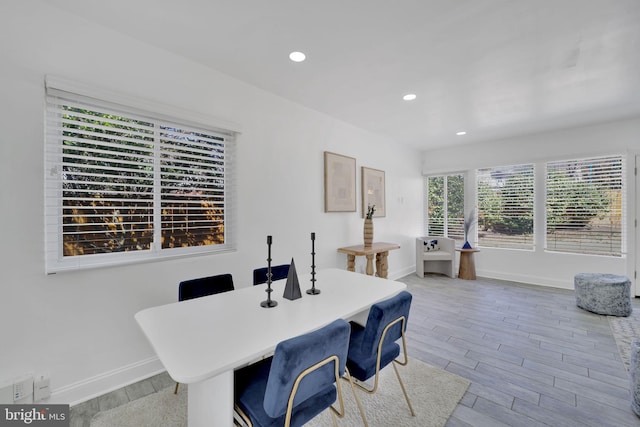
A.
pixel 362 365
pixel 250 386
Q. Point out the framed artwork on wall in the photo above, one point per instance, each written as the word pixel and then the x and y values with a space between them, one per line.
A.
pixel 339 183
pixel 373 191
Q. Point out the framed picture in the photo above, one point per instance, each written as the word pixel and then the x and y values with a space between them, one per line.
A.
pixel 373 191
pixel 339 183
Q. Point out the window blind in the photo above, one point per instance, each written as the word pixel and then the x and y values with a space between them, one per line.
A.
pixel 505 206
pixel 124 184
pixel 585 206
pixel 436 207
pixel 445 206
pixel 455 208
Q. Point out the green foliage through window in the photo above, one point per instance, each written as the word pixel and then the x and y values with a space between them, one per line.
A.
pixel 445 206
pixel 584 206
pixel 505 207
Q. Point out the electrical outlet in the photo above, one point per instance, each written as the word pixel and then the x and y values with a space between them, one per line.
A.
pixel 23 389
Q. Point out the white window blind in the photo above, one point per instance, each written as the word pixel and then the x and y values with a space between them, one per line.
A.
pixel 124 185
pixel 436 205
pixel 505 207
pixel 585 206
pixel 455 208
pixel 445 206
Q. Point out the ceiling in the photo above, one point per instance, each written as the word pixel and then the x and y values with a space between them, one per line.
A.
pixel 493 68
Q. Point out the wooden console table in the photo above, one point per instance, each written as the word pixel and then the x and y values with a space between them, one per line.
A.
pixel 467 269
pixel 379 249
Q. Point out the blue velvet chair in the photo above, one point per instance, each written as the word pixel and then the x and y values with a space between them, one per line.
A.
pixel 204 286
pixel 298 382
pixel 277 272
pixel 374 346
pixel 201 287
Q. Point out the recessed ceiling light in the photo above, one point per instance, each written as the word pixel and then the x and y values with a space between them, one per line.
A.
pixel 297 56
pixel 409 97
pixel 461 133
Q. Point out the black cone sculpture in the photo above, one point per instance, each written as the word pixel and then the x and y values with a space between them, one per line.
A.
pixel 292 288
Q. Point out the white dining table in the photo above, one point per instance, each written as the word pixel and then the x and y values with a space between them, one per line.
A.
pixel 202 341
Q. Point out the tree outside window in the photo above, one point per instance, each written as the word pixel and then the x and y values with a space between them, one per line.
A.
pixel 505 207
pixel 584 206
pixel 445 206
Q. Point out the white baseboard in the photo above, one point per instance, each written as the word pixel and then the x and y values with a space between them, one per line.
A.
pixel 500 275
pixel 398 274
pixel 523 278
pixel 98 385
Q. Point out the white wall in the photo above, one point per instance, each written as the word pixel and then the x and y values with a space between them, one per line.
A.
pixel 540 267
pixel 79 326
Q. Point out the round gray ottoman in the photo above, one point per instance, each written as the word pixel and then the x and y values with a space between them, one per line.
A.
pixel 634 375
pixel 608 294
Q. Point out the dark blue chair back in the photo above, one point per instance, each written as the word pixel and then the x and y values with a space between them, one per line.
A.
pixel 278 272
pixel 380 315
pixel 204 286
pixel 294 355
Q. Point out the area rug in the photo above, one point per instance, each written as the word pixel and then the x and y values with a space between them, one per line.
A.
pixel 625 330
pixel 434 394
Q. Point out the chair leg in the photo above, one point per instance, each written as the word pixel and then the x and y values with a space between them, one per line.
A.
pixel 175 391
pixel 355 395
pixel 333 418
pixel 404 391
pixel 245 419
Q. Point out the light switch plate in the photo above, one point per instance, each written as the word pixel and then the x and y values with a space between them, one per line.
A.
pixel 41 388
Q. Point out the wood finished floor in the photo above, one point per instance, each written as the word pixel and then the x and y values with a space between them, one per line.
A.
pixel 533 357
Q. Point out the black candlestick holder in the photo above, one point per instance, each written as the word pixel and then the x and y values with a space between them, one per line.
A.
pixel 313 290
pixel 268 303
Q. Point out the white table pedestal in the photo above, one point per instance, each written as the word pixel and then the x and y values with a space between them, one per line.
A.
pixel 211 401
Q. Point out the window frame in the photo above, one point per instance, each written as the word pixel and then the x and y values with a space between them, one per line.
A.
pixel 55 261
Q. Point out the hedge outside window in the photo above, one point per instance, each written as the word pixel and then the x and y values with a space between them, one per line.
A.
pixel 505 207
pixel 585 206
pixel 445 206
pixel 124 185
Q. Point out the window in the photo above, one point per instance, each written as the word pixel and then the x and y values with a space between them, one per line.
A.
pixel 505 207
pixel 585 206
pixel 445 206
pixel 125 185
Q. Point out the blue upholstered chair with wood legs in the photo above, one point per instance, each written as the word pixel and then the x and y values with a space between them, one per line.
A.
pixel 374 346
pixel 201 287
pixel 299 382
pixel 277 272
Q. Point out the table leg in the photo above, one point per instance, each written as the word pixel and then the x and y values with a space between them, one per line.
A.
pixel 210 402
pixel 351 262
pixel 382 264
pixel 370 264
